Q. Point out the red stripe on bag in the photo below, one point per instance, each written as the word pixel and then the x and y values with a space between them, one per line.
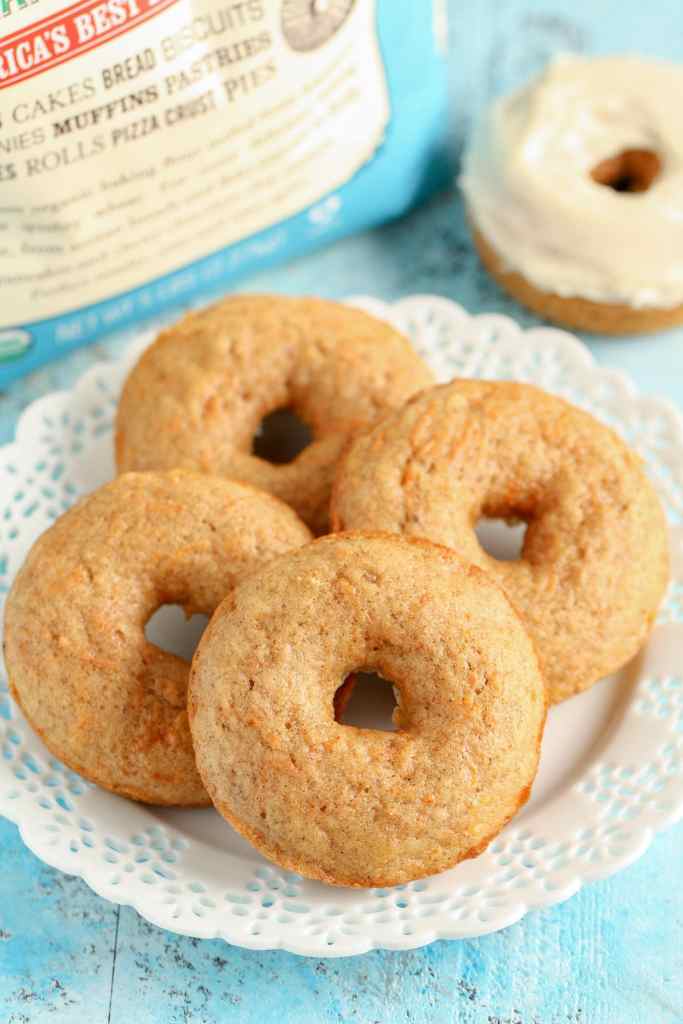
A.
pixel 74 31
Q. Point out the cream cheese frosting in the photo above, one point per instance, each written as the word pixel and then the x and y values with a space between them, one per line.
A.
pixel 529 190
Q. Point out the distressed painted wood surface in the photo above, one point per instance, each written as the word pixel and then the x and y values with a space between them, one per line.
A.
pixel 611 955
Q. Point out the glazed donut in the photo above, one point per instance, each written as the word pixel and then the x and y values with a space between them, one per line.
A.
pixel 106 701
pixel 198 395
pixel 355 806
pixel 594 564
pixel 574 188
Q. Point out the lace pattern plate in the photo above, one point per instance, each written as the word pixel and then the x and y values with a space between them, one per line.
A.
pixel 612 765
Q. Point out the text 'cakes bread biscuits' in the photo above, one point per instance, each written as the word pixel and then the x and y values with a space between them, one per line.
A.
pixel 574 189
pixel 105 700
pixel 198 395
pixel 594 564
pixel 355 806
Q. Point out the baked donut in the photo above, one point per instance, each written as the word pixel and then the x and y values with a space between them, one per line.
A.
pixel 594 564
pixel 574 189
pixel 106 701
pixel 355 806
pixel 198 395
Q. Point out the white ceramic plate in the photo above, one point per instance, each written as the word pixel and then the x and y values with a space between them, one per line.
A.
pixel 612 766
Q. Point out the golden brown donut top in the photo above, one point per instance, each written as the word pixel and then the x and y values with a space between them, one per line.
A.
pixel 594 563
pixel 198 395
pixel 103 698
pixel 355 806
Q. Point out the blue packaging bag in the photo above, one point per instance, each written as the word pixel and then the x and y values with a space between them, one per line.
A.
pixel 153 152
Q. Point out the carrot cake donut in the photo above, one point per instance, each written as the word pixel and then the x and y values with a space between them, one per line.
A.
pixel 594 564
pixel 355 806
pixel 198 395
pixel 574 190
pixel 105 700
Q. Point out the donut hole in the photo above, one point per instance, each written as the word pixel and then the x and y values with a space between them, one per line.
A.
pixel 170 630
pixel 502 539
pixel 281 436
pixel 366 700
pixel 632 170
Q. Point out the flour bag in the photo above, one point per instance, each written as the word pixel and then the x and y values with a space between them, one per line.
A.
pixel 151 151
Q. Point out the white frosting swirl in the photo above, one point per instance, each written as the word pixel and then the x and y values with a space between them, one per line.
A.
pixel 528 185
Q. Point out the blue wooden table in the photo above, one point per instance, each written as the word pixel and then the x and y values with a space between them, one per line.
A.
pixel 614 953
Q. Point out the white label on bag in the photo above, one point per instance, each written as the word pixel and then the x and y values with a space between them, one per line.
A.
pixel 137 137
